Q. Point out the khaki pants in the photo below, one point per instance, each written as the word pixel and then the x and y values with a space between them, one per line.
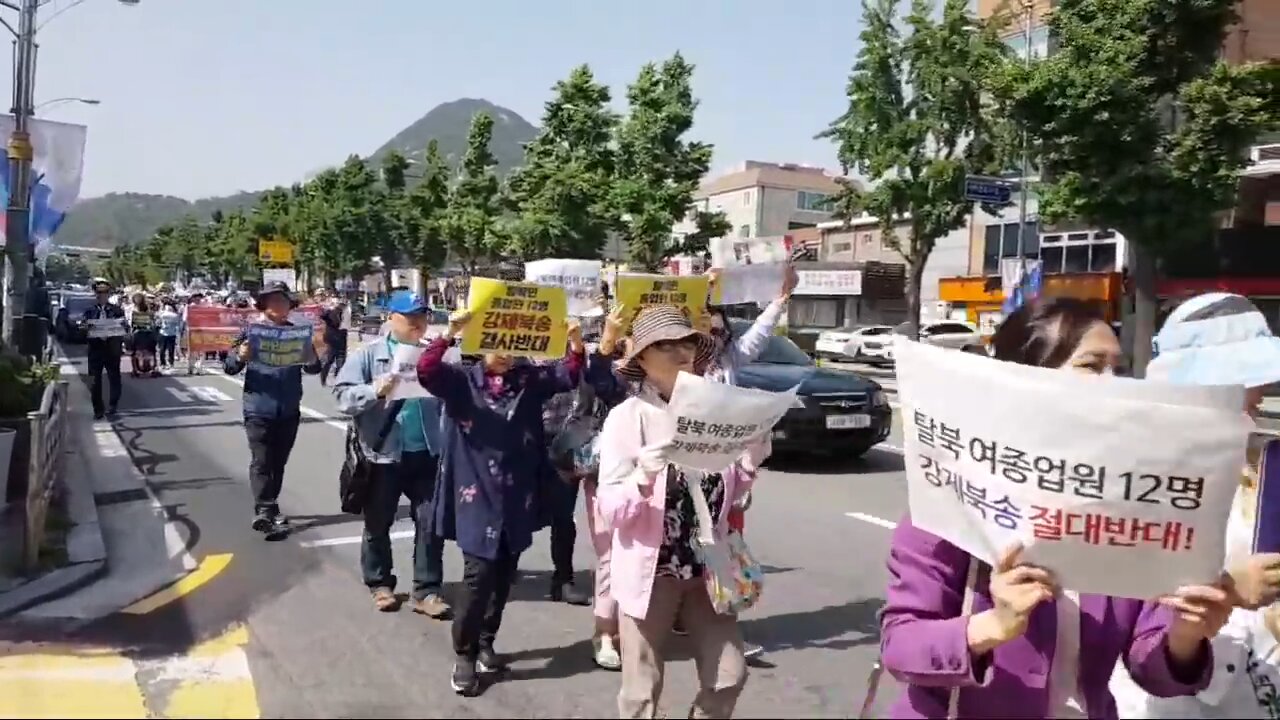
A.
pixel 717 651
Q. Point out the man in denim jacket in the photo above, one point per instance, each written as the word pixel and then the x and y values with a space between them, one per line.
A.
pixel 406 464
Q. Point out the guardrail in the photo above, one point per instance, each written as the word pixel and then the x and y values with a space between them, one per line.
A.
pixel 45 470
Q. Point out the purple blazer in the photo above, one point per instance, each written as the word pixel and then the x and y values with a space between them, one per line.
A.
pixel 923 642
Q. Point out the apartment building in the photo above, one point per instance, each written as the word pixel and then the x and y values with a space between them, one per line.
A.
pixel 1088 263
pixel 761 199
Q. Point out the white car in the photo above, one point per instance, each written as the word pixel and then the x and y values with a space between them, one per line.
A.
pixel 846 344
pixel 945 333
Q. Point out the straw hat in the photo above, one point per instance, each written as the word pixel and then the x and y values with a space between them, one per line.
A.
pixel 660 323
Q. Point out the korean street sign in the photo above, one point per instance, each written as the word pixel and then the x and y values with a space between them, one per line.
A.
pixel 980 188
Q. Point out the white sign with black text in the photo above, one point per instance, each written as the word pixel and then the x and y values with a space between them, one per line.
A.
pixel 829 282
pixel 1121 487
pixel 579 278
pixel 404 364
pixel 715 422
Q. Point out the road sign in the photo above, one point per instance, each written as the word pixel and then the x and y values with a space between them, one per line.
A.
pixel 275 251
pixel 980 188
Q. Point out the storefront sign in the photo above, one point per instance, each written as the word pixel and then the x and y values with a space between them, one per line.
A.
pixel 829 282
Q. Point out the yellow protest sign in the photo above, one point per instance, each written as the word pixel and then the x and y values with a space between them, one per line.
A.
pixel 516 319
pixel 687 292
pixel 275 251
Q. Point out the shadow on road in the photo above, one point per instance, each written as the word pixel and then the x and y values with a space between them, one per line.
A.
pixel 827 628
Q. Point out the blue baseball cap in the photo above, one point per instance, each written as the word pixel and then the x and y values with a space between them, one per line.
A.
pixel 407 303
pixel 1216 339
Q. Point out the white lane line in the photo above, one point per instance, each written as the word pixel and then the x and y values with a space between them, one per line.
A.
pixel 887 524
pixel 352 540
pixel 209 394
pixel 179 393
pixel 306 411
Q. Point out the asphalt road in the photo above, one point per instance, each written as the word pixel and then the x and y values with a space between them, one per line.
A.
pixel 316 647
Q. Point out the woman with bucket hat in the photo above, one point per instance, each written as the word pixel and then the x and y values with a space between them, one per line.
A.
pixel 645 499
pixel 272 410
pixel 1222 339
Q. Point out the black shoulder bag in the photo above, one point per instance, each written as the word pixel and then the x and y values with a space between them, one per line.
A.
pixel 357 470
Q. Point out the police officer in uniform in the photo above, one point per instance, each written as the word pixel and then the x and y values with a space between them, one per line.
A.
pixel 104 352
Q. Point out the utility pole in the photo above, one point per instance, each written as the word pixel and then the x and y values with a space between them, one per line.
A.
pixel 1028 17
pixel 18 251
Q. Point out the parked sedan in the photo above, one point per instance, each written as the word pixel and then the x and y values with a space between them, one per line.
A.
pixel 68 324
pixel 846 344
pixel 836 412
pixel 946 333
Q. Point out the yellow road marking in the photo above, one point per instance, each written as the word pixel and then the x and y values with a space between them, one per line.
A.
pixel 208 568
pixel 212 680
pixel 50 684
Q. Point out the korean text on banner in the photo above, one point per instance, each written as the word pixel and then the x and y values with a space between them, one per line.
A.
pixel 106 328
pixel 759 284
pixel 714 422
pixel 279 345
pixel 1121 487
pixel 579 278
pixel 687 292
pixel 520 319
pixel 404 364
pixel 211 328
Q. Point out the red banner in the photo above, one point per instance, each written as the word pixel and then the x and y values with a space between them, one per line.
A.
pixel 212 328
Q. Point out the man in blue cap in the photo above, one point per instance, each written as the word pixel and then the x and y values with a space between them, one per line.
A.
pixel 399 437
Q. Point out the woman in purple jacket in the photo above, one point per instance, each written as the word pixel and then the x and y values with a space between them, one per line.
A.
pixel 1026 648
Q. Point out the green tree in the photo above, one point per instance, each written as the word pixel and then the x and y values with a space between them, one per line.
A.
pixel 398 223
pixel 656 171
pixel 471 227
pixel 562 193
pixel 917 122
pixel 424 216
pixel 1140 127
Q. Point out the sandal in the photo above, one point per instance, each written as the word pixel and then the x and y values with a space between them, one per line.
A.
pixel 385 600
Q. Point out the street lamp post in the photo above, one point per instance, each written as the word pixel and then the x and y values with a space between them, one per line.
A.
pixel 19 255
pixel 65 100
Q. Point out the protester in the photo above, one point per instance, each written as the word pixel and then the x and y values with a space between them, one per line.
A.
pixel 731 354
pixel 170 324
pixel 142 322
pixel 654 574
pixel 335 334
pixel 493 461
pixel 1222 339
pixel 104 352
pixel 575 454
pixel 272 411
pixel 402 440
pixel 972 640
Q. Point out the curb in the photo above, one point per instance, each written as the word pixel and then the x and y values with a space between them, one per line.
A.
pixel 86 549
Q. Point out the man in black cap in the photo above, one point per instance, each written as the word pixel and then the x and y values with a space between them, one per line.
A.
pixel 104 352
pixel 272 410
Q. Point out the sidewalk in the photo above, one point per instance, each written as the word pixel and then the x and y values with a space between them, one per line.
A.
pixel 127 548
pixel 86 550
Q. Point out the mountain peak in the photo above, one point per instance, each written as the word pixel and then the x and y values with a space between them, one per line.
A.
pixel 120 218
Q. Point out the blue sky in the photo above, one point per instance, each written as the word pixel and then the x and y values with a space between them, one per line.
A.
pixel 207 97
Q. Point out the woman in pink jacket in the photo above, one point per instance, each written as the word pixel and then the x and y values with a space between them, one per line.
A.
pixel 645 499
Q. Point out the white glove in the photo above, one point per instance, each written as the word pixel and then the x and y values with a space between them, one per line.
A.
pixel 652 460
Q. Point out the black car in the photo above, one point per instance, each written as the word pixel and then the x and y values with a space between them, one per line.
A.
pixel 837 412
pixel 68 325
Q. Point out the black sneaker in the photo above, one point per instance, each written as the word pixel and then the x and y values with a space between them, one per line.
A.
pixel 262 521
pixel 464 679
pixel 112 412
pixel 279 528
pixel 98 414
pixel 489 661
pixel 566 592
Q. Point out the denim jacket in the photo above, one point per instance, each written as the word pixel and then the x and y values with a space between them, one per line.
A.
pixel 357 398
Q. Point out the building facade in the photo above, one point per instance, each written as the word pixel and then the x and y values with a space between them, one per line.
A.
pixel 761 199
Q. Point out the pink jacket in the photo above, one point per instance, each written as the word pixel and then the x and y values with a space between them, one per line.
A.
pixel 636 521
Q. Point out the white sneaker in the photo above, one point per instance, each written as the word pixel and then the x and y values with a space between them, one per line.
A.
pixel 606 655
pixel 750 650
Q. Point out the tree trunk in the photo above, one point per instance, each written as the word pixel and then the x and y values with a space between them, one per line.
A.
pixel 386 275
pixel 424 282
pixel 1142 272
pixel 915 278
